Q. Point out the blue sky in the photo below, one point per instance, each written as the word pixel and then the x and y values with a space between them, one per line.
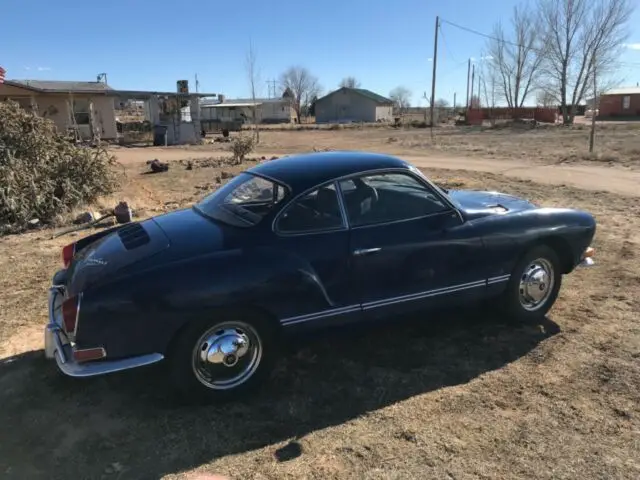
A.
pixel 148 45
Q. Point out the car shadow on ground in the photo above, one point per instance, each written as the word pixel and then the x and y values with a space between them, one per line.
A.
pixel 127 424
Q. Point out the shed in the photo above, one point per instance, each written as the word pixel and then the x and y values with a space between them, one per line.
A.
pixel 353 105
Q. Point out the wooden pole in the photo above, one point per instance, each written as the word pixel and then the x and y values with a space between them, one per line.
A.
pixel 592 134
pixel 468 76
pixel 433 77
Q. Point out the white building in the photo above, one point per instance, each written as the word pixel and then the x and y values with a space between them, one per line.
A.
pixel 267 110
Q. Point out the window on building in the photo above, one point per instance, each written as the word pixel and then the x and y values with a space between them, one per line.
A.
pixel 81 111
pixel 626 102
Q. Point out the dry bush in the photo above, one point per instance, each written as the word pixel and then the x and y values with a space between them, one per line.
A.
pixel 241 146
pixel 42 174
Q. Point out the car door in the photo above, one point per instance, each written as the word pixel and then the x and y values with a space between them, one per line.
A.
pixel 312 237
pixel 410 247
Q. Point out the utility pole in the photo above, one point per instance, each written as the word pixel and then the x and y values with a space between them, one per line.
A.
pixel 433 77
pixel 468 76
pixel 197 83
pixel 473 81
pixel 271 85
pixel 592 134
pixel 454 101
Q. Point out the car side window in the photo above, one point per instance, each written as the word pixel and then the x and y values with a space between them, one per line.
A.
pixel 388 197
pixel 316 211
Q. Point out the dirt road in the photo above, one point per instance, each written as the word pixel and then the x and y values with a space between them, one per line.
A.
pixel 589 177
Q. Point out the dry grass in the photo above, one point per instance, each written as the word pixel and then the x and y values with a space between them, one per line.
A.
pixel 616 144
pixel 453 396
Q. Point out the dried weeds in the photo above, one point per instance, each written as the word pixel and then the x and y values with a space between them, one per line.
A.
pixel 42 174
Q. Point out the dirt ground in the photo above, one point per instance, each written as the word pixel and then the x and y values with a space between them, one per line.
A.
pixel 458 395
pixel 548 154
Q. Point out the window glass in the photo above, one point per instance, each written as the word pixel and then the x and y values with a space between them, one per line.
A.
pixel 388 197
pixel 316 211
pixel 626 102
pixel 243 201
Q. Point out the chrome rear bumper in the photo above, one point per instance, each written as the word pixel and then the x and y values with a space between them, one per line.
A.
pixel 57 346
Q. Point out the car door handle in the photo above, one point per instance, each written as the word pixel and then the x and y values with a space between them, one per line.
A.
pixel 366 251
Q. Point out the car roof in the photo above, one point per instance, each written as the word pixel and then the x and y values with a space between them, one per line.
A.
pixel 303 171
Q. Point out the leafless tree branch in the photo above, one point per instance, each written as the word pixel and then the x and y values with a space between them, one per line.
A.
pixel 350 82
pixel 581 37
pixel 302 84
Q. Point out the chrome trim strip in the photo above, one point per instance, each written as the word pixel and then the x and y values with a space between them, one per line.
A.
pixel 394 300
pixel 421 295
pixel 500 279
pixel 322 314
pixel 343 207
pixel 366 251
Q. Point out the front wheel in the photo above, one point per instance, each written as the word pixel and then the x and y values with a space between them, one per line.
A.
pixel 222 359
pixel 534 285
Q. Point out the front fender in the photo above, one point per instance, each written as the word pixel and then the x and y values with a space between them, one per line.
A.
pixel 507 237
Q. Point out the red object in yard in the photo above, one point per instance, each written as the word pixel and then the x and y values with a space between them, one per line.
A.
pixel 2 74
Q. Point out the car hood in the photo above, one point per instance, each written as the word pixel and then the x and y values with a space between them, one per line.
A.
pixel 162 239
pixel 476 204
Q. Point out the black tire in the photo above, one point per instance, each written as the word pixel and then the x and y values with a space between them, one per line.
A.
pixel 514 302
pixel 184 363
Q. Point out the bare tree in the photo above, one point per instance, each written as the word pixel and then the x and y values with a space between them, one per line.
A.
pixel 350 82
pixel 253 75
pixel 515 58
pixel 302 85
pixel 545 98
pixel 401 97
pixel 581 37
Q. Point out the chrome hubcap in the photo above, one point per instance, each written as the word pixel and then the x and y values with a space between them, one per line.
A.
pixel 227 355
pixel 536 284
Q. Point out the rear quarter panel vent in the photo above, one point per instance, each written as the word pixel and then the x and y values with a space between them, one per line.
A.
pixel 133 236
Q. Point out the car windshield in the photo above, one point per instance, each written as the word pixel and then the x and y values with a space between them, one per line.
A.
pixel 243 201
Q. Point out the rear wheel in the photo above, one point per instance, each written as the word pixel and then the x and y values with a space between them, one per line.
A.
pixel 534 285
pixel 224 358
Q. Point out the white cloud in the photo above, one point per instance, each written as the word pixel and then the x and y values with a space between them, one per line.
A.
pixel 632 46
pixel 43 69
pixel 27 68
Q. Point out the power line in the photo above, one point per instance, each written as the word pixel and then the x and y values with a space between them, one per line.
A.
pixel 491 37
pixel 446 45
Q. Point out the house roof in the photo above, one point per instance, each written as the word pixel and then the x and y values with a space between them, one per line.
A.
pixel 63 86
pixel 60 86
pixel 379 99
pixel 228 102
pixel 623 91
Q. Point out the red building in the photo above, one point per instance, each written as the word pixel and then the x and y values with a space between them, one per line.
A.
pixel 620 102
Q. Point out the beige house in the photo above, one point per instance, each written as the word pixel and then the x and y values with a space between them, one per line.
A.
pixel 84 107
pixel 353 105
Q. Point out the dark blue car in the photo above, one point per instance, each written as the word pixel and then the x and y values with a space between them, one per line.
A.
pixel 299 243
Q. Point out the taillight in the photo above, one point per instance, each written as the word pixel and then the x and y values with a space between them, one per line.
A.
pixel 70 313
pixel 67 254
pixel 89 354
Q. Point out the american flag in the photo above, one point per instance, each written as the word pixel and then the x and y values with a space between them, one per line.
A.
pixel 2 72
